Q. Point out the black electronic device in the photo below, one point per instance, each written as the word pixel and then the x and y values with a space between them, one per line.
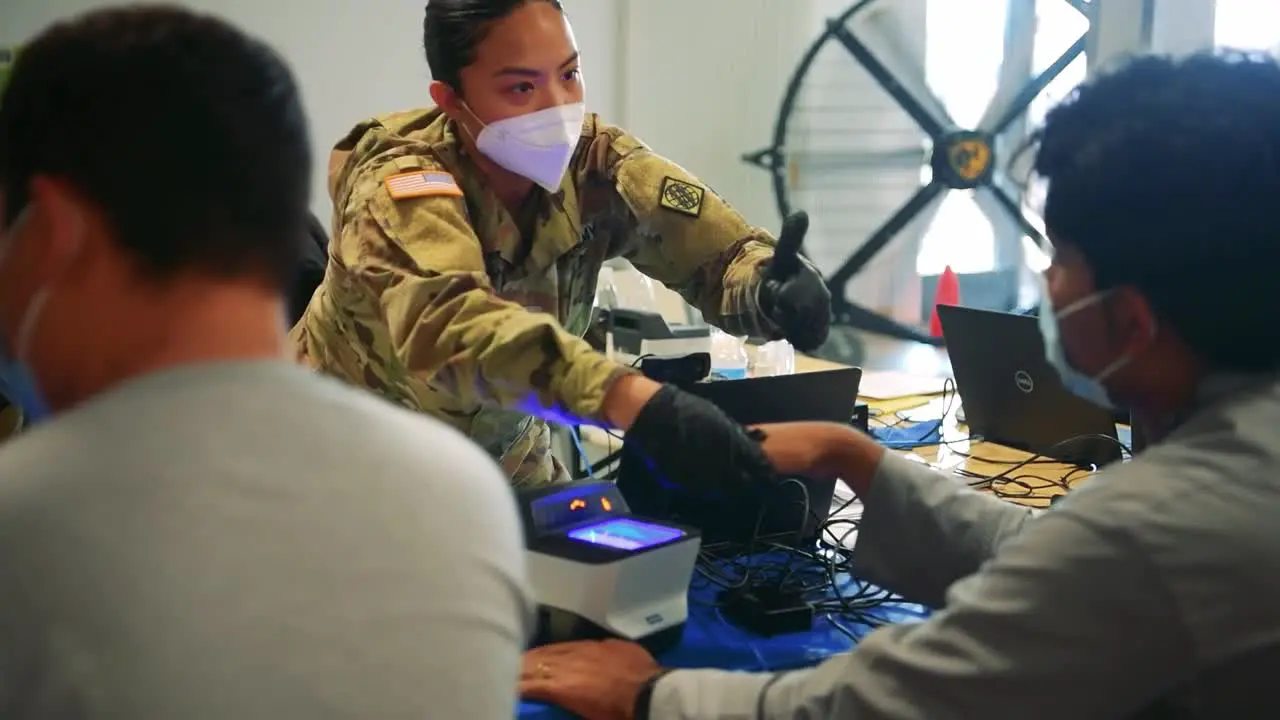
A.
pixel 796 510
pixel 680 371
pixel 861 417
pixel 635 334
pixel 1014 397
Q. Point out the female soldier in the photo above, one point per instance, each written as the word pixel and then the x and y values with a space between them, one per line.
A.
pixel 468 239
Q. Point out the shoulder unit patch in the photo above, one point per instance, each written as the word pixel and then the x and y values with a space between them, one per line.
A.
pixel 680 196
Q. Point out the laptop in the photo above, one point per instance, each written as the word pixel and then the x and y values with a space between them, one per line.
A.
pixel 1013 396
pixel 828 395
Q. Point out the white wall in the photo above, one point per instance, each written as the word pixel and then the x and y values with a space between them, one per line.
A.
pixel 353 58
pixel 705 80
pixel 699 80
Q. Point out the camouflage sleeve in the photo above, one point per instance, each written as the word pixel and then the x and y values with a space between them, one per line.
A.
pixel 686 236
pixel 447 324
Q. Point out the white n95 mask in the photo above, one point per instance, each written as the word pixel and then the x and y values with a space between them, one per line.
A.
pixel 538 145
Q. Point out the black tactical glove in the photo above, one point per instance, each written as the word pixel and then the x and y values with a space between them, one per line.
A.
pixel 692 443
pixel 792 293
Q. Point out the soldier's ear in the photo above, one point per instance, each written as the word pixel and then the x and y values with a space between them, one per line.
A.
pixel 446 99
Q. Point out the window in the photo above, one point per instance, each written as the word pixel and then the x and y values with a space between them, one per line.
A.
pixel 1247 24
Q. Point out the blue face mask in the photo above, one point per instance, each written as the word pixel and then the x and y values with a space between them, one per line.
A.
pixel 17 382
pixel 1090 388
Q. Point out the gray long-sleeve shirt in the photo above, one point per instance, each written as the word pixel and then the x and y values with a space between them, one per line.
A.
pixel 1153 590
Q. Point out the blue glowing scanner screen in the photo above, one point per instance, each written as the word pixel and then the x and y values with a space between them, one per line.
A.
pixel 625 534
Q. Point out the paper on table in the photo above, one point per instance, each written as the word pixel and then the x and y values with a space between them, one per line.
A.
pixel 891 384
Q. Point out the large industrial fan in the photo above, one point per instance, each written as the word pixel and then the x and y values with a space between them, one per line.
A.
pixel 948 157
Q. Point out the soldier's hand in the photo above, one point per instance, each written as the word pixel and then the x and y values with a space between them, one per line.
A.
pixel 692 442
pixel 792 294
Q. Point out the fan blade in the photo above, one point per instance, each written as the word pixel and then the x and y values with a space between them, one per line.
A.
pixel 1017 106
pixel 886 232
pixel 853 159
pixel 1019 62
pixel 1082 6
pixel 933 126
pixel 929 215
pixel 992 196
pixel 889 39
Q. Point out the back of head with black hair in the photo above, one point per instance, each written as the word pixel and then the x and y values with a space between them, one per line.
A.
pixel 188 135
pixel 1165 176
pixel 451 30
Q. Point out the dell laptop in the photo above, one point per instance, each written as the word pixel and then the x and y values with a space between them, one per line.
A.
pixel 797 514
pixel 1012 395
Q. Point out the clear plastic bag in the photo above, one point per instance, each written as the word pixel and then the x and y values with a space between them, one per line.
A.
pixel 728 356
pixel 775 358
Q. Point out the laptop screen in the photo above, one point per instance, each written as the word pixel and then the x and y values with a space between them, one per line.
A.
pixel 826 395
pixel 1012 396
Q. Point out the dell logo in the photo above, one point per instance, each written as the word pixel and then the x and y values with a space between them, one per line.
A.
pixel 1024 382
pixel 654 619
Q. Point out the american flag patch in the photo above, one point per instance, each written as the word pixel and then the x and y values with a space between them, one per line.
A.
pixel 422 184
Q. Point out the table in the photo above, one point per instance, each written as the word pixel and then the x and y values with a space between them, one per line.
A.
pixel 712 642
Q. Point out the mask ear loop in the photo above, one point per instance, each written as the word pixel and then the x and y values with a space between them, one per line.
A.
pixel 27 325
pixel 475 136
pixel 1078 305
pixel 6 247
pixel 1123 360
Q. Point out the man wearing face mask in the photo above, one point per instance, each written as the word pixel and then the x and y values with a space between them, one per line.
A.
pixel 1149 591
pixel 468 238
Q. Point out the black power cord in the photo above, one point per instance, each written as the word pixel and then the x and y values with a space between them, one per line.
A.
pixel 772 584
pixel 1010 484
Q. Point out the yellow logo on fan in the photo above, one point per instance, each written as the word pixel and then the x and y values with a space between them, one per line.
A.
pixel 969 158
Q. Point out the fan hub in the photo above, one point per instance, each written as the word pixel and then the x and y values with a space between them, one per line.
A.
pixel 963 159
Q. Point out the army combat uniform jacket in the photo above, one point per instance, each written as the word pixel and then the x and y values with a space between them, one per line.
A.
pixel 441 299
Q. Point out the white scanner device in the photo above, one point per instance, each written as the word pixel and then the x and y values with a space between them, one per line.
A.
pixel 597 571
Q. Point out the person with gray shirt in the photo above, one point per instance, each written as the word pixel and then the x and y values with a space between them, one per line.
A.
pixel 1154 589
pixel 201 529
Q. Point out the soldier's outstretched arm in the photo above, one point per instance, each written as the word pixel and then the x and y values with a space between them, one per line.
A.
pixel 686 236
pixel 447 324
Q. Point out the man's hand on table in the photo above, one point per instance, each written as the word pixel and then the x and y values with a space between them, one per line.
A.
pixel 594 679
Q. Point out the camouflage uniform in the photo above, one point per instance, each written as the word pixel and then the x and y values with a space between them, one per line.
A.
pixel 449 304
